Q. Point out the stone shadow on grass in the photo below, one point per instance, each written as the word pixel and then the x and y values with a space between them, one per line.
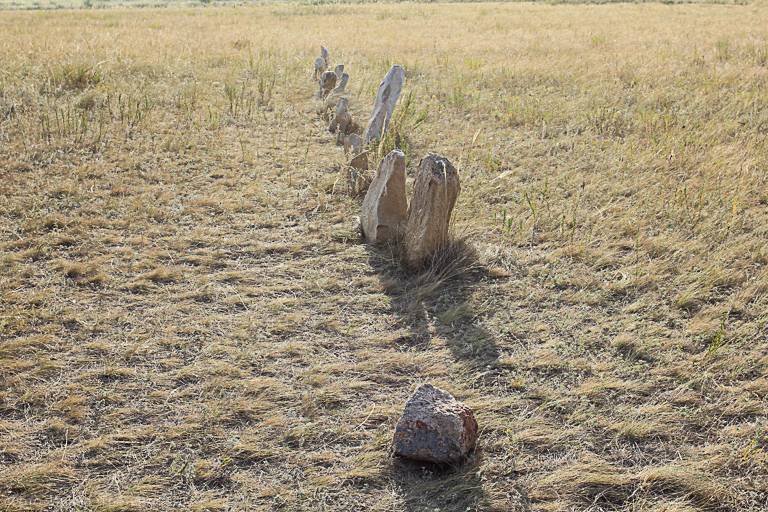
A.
pixel 428 487
pixel 437 301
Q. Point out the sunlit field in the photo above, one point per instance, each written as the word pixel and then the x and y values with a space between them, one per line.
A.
pixel 189 319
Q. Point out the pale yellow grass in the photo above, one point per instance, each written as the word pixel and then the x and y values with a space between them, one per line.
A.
pixel 190 322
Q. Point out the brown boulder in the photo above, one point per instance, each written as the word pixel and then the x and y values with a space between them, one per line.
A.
pixel 435 427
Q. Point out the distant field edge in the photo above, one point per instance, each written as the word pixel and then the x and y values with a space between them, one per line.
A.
pixel 137 4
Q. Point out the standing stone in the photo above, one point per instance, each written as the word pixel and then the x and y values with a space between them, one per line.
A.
pixel 342 84
pixel 342 124
pixel 339 70
pixel 342 137
pixel 319 67
pixel 360 160
pixel 385 207
pixel 327 83
pixel 386 98
pixel 324 55
pixel 434 194
pixel 333 98
pixel 341 118
pixel 353 143
pixel 358 179
pixel 348 137
pixel 435 427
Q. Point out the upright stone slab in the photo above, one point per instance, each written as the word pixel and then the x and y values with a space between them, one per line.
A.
pixel 357 176
pixel 319 67
pixel 332 99
pixel 359 160
pixel 434 194
pixel 353 144
pixel 341 118
pixel 385 207
pixel 342 84
pixel 327 83
pixel 339 70
pixel 435 427
pixel 324 55
pixel 386 98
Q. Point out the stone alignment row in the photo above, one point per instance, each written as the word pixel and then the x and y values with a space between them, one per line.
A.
pixel 434 427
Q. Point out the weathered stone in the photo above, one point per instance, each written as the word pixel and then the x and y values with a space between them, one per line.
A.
pixel 386 98
pixel 385 207
pixel 435 427
pixel 342 124
pixel 353 143
pixel 333 98
pixel 359 161
pixel 342 84
pixel 341 117
pixel 320 67
pixel 324 55
pixel 358 178
pixel 339 70
pixel 434 194
pixel 327 83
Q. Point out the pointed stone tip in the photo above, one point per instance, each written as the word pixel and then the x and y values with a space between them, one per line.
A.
pixel 431 390
pixel 438 165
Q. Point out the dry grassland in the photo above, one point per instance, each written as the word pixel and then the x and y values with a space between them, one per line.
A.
pixel 188 320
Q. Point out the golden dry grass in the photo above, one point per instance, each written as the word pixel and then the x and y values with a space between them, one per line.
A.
pixel 190 322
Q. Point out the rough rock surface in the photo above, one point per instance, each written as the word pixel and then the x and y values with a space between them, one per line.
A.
pixel 353 143
pixel 358 179
pixel 386 98
pixel 434 194
pixel 385 207
pixel 327 83
pixel 333 98
pixel 319 67
pixel 341 119
pixel 435 427
pixel 339 70
pixel 343 79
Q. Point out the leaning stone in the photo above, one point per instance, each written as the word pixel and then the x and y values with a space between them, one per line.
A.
pixel 386 98
pixel 435 427
pixel 339 70
pixel 343 79
pixel 327 83
pixel 434 195
pixel 385 207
